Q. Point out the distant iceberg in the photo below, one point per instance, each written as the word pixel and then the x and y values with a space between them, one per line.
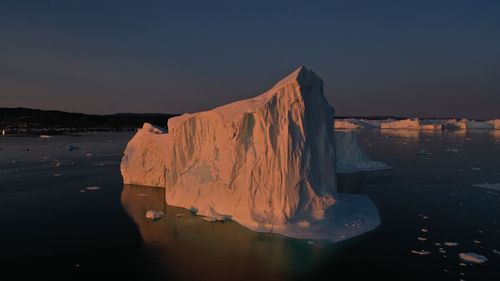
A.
pixel 401 124
pixel 495 123
pixel 350 156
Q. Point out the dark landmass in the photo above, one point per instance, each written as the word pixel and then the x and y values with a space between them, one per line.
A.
pixel 35 121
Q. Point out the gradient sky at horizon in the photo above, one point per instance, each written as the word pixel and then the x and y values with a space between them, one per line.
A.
pixel 407 58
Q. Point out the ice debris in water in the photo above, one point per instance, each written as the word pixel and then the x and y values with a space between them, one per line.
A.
pixel 423 152
pixel 494 186
pixel 88 154
pixel 421 252
pixel 451 244
pixel 496 252
pixel 424 230
pixel 154 215
pixel 421 238
pixel 92 188
pixel 472 258
pixel 72 147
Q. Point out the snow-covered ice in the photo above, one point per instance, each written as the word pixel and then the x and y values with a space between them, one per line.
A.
pixel 267 162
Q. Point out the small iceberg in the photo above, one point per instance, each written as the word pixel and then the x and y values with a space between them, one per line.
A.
pixel 472 258
pixel 92 188
pixel 154 215
pixel 451 244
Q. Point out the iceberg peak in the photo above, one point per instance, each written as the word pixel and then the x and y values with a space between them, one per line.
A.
pixel 302 75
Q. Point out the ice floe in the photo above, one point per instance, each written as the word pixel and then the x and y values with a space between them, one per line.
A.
pixel 472 258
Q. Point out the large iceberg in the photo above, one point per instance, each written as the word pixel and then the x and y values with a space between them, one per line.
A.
pixel 268 163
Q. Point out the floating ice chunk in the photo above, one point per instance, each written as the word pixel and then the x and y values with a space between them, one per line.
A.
pixel 476 168
pixel 423 152
pixel 451 244
pixel 477 241
pixel 472 258
pixel 45 136
pixel 310 242
pixel 424 230
pixel 496 252
pixel 92 188
pixel 420 252
pixel 57 175
pixel 421 238
pixel 494 186
pixel 72 147
pixel 154 215
pixel 88 154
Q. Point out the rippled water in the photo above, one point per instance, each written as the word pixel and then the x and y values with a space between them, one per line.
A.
pixel 52 226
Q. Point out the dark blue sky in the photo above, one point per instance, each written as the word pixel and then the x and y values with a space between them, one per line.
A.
pixel 418 58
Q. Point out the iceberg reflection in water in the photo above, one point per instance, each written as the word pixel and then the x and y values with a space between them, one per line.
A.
pixel 195 248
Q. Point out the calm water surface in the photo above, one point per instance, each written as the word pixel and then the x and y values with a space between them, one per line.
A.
pixel 51 229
